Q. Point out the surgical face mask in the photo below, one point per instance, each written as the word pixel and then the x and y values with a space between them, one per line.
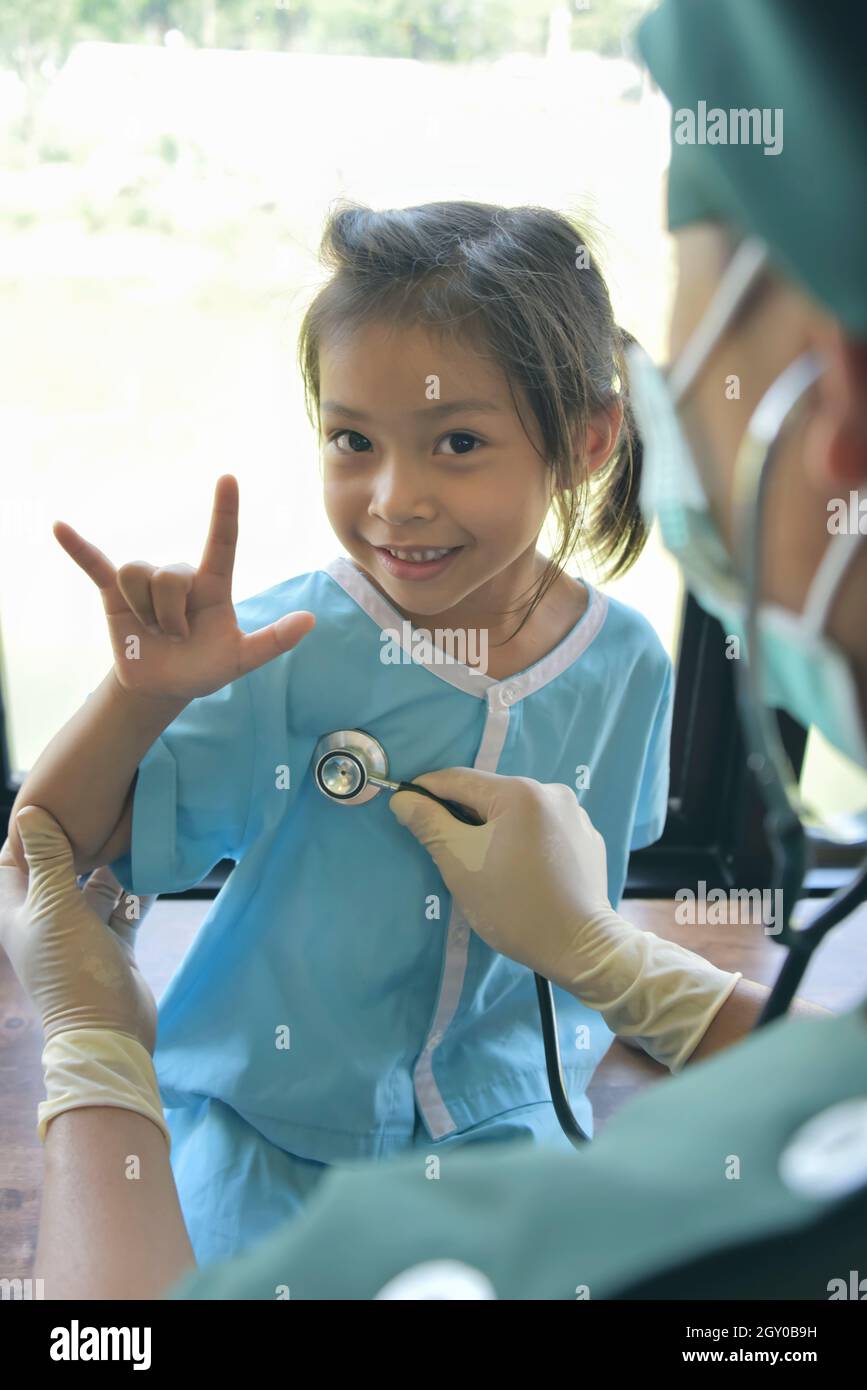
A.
pixel 795 665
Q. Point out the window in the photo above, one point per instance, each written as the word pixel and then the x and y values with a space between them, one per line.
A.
pixel 160 246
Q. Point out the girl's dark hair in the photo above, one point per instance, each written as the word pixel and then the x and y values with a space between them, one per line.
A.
pixel 521 284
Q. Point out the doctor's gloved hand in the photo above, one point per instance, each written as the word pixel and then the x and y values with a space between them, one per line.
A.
pixel 73 951
pixel 530 878
pixel 173 629
pixel 532 882
pixel 71 948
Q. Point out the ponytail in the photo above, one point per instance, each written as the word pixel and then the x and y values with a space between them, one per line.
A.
pixel 617 530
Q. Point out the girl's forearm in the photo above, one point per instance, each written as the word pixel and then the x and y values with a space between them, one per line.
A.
pixel 111 1223
pixel 84 775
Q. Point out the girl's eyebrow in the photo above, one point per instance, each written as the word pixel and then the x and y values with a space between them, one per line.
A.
pixel 441 408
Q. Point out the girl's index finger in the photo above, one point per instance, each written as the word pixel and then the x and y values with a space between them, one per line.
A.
pixel 87 556
pixel 218 556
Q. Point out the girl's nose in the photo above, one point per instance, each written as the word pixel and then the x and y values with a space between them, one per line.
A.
pixel 399 494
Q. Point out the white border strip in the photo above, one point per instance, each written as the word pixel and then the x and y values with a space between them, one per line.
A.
pixel 377 607
pixel 428 1097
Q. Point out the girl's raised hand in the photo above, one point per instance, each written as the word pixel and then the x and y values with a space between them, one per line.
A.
pixel 174 633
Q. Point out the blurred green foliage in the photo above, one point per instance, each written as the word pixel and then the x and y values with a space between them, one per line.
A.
pixel 434 30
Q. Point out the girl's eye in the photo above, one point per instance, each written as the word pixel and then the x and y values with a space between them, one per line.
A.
pixel 461 441
pixel 358 443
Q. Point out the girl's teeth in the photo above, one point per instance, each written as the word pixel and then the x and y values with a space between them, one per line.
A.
pixel 418 555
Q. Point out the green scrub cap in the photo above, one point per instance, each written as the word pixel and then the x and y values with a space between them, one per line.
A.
pixel 802 64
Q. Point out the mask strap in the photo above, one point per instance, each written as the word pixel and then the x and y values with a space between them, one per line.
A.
pixel 839 554
pixel 740 275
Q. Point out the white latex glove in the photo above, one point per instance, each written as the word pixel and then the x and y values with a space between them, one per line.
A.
pixel 74 952
pixel 72 949
pixel 532 882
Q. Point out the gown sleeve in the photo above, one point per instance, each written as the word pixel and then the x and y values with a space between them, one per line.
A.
pixel 652 807
pixel 193 794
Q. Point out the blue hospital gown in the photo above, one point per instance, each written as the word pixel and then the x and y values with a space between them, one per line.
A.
pixel 334 1005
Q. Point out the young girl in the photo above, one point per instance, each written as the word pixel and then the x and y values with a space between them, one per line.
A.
pixel 466 374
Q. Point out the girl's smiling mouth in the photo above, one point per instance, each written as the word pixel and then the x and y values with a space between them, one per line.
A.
pixel 422 562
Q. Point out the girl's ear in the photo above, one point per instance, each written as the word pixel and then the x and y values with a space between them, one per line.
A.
pixel 597 444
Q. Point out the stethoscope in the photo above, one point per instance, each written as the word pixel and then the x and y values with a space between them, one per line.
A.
pixel 790 827
pixel 351 767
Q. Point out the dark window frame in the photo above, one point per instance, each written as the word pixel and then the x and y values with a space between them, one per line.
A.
pixel 715 826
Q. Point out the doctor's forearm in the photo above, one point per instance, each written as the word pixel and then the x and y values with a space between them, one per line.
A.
pixel 84 774
pixel 740 1014
pixel 111 1223
pixel 674 1004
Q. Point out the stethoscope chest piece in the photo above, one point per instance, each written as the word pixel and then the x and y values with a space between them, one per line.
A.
pixel 343 763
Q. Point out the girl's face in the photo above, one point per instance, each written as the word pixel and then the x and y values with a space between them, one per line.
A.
pixel 424 452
